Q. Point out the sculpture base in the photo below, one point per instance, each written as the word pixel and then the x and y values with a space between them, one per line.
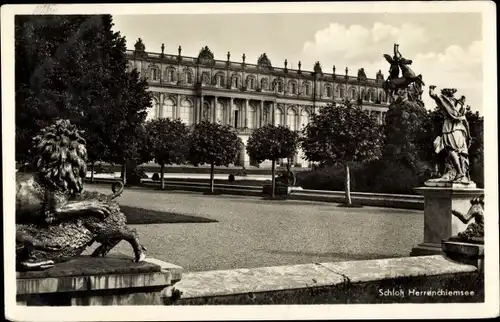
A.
pixel 426 249
pixel 439 222
pixel 471 253
pixel 450 184
pixel 85 280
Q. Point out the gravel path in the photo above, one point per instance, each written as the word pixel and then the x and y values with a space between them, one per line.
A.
pixel 251 232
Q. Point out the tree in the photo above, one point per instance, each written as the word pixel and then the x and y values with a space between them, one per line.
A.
pixel 126 124
pixel 404 130
pixel 272 143
pixel 214 144
pixel 167 141
pixel 74 67
pixel 342 134
pixel 476 149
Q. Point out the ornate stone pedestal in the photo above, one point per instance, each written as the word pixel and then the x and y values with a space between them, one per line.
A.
pixel 439 222
pixel 111 280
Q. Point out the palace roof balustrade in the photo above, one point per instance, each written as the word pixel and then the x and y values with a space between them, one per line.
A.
pixel 243 66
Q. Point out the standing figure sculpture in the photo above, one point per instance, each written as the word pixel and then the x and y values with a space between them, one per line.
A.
pixel 455 136
pixel 55 219
pixel 394 84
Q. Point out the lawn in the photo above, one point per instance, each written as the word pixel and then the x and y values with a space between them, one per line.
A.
pixel 141 216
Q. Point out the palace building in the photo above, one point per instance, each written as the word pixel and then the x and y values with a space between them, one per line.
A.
pixel 246 95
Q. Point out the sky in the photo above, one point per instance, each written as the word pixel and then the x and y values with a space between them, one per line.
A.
pixel 446 48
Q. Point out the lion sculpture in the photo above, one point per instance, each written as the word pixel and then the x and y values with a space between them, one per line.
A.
pixel 55 219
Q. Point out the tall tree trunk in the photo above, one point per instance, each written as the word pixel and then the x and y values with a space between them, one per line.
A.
pixel 162 177
pixel 92 165
pixel 124 173
pixel 273 183
pixel 211 178
pixel 347 184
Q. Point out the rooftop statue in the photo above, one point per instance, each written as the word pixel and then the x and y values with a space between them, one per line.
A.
pixel 395 84
pixel 139 45
pixel 55 219
pixel 205 55
pixel 264 61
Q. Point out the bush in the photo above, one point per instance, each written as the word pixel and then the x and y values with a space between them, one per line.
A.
pixel 389 177
pixel 298 165
pixel 156 176
pixel 328 178
pixel 477 171
pixel 99 168
pixel 381 176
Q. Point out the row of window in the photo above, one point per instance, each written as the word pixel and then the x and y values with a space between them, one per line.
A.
pixel 170 76
pixel 292 87
pixel 186 114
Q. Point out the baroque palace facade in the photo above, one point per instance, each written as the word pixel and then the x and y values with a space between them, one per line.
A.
pixel 247 96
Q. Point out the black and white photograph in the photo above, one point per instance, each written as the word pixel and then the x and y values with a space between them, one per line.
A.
pixel 209 161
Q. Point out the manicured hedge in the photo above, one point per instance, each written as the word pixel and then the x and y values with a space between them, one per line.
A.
pixel 379 176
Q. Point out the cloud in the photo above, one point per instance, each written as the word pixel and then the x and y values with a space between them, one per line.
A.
pixel 357 47
pixel 358 42
pixel 460 68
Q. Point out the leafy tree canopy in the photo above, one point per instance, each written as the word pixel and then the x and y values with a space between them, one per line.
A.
pixel 405 131
pixel 126 121
pixel 75 67
pixel 167 140
pixel 342 133
pixel 213 143
pixel 272 143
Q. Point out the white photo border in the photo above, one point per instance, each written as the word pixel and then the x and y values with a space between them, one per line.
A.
pixel 180 313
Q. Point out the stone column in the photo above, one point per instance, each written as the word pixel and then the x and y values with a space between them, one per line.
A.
pixel 178 107
pixel 230 116
pixel 229 106
pixel 200 110
pixel 261 115
pixel 257 117
pixel 297 120
pixel 246 114
pixel 284 116
pixel 160 106
pixel 273 106
pixel 215 109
